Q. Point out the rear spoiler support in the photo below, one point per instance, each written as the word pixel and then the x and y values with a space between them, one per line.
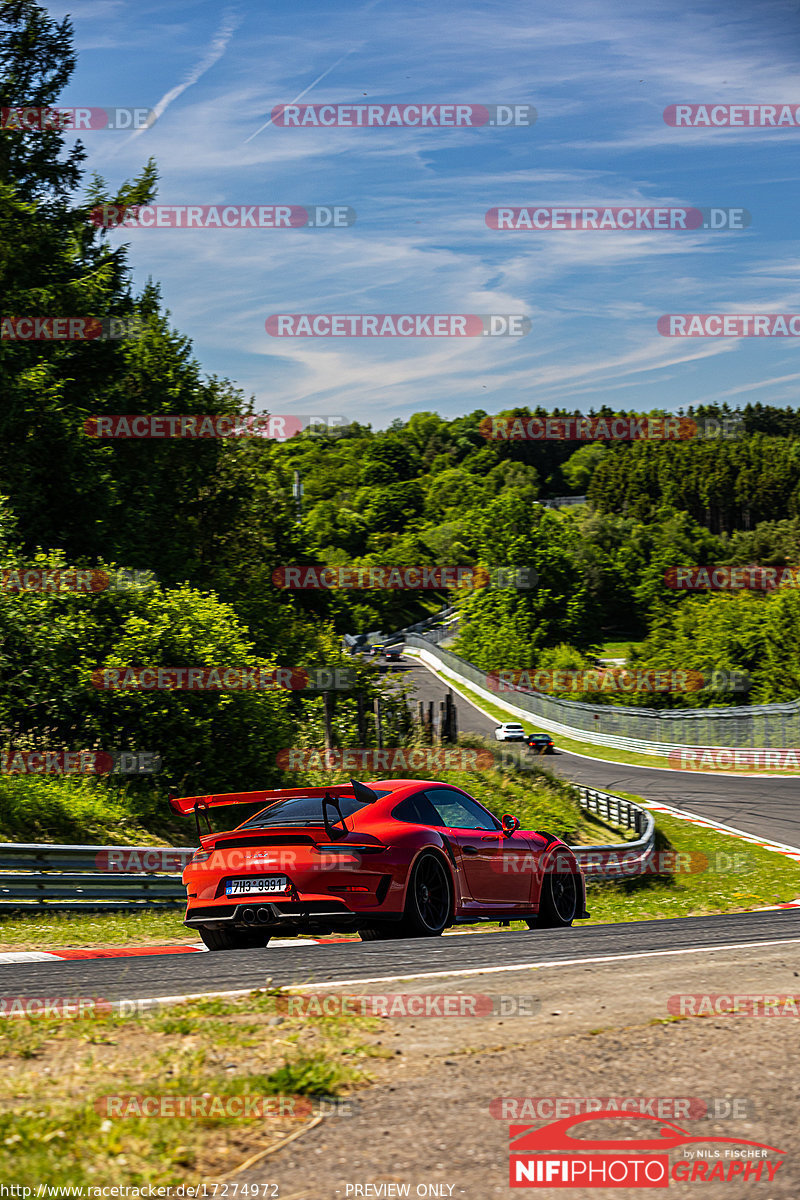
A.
pixel 202 807
pixel 333 801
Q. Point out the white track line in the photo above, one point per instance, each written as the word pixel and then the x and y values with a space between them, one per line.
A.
pixel 564 962
pixel 25 956
pixel 696 819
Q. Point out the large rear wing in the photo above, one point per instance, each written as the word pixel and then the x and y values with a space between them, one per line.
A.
pixel 328 795
pixel 185 805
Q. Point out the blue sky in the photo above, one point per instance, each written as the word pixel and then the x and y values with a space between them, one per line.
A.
pixel 599 77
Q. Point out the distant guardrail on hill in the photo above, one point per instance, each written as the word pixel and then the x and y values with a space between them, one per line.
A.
pixel 563 501
pixel 646 730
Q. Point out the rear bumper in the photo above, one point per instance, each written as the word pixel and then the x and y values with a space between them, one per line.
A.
pixel 288 915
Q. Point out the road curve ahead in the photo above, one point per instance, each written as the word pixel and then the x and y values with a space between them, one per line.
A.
pixel 769 808
pixel 154 976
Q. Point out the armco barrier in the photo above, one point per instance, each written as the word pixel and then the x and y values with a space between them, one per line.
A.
pixel 47 878
pixel 69 878
pixel 643 730
pixel 631 855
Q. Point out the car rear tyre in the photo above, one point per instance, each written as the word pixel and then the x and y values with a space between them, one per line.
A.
pixel 561 890
pixel 428 900
pixel 380 933
pixel 233 939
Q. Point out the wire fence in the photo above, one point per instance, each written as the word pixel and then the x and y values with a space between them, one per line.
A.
pixel 648 729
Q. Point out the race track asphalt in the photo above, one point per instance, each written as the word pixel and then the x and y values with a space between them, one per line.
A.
pixel 160 976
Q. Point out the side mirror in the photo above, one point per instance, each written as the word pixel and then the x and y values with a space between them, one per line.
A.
pixel 509 823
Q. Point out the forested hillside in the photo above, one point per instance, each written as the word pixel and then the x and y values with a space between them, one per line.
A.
pixel 436 491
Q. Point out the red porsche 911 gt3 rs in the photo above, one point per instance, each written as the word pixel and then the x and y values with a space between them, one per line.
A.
pixel 395 858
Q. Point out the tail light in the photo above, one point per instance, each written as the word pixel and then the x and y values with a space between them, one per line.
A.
pixel 201 855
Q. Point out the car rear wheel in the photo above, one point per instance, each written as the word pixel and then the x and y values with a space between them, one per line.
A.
pixel 380 933
pixel 233 939
pixel 428 900
pixel 558 904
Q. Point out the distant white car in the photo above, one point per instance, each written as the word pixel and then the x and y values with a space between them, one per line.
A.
pixel 509 731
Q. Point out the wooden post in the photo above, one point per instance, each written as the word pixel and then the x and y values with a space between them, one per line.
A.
pixel 442 722
pixel 327 701
pixel 361 719
pixel 378 727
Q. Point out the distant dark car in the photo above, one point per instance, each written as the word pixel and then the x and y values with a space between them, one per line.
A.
pixel 541 743
pixel 393 654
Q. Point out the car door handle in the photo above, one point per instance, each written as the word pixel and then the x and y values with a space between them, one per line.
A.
pixel 471 850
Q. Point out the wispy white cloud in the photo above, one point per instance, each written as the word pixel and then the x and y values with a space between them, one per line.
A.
pixel 219 44
pixel 599 78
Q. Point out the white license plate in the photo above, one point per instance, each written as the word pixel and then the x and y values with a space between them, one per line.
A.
pixel 256 885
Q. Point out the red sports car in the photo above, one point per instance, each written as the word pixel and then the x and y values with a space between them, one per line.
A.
pixel 395 858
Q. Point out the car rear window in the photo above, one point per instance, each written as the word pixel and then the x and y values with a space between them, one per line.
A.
pixel 417 810
pixel 305 810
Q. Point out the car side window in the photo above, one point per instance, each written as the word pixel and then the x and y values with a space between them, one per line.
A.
pixel 417 810
pixel 460 812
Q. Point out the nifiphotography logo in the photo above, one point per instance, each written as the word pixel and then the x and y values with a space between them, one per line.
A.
pixel 634 1162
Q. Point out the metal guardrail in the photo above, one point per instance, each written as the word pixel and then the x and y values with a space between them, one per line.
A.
pixel 646 730
pixel 622 860
pixel 53 878
pixel 61 878
pixel 562 501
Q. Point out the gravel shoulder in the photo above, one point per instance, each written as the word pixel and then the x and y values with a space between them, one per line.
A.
pixel 601 1030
